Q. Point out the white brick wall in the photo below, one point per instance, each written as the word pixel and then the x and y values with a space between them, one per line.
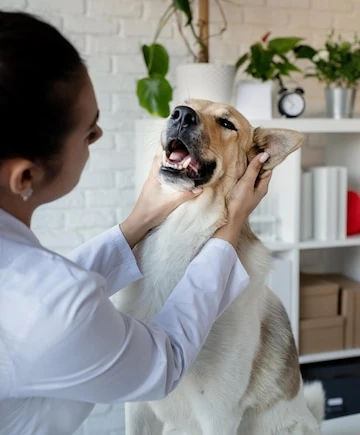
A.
pixel 109 33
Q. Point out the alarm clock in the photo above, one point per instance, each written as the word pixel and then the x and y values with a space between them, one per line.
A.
pixel 292 102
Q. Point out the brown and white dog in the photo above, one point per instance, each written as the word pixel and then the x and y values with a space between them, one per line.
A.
pixel 246 379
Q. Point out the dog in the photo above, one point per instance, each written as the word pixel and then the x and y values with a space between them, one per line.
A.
pixel 246 379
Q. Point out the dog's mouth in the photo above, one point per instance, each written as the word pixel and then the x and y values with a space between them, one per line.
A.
pixel 183 167
pixel 177 160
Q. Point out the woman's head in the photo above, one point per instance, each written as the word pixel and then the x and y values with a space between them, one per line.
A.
pixel 39 70
pixel 42 80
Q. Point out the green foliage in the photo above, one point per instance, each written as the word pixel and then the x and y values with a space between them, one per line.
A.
pixel 336 64
pixel 269 59
pixel 156 59
pixel 154 92
pixel 184 6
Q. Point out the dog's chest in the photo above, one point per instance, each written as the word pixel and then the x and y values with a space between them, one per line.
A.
pixel 163 257
pixel 163 262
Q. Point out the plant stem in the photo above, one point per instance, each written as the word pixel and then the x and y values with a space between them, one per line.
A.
pixel 188 46
pixel 163 20
pixel 281 83
pixel 204 30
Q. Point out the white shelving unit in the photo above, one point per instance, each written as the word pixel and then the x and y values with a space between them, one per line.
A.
pixel 342 138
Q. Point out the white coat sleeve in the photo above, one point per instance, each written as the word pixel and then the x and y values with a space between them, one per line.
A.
pixel 107 357
pixel 109 255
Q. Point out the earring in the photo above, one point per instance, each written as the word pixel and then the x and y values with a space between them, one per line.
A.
pixel 26 196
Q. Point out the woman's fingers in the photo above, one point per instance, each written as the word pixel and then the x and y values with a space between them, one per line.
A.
pixel 155 166
pixel 263 185
pixel 182 196
pixel 254 168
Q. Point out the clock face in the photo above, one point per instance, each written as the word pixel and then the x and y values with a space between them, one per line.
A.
pixel 292 104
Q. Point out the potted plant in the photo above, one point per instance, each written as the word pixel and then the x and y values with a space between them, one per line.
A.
pixel 337 66
pixel 267 60
pixel 154 91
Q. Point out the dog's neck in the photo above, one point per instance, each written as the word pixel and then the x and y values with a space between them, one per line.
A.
pixel 165 253
pixel 186 229
pixel 191 231
pixel 201 215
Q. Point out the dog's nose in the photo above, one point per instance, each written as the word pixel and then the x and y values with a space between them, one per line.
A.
pixel 184 116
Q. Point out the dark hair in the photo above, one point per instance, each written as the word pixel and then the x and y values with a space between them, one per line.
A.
pixel 39 82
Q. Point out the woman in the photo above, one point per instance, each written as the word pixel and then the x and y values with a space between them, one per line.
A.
pixel 63 346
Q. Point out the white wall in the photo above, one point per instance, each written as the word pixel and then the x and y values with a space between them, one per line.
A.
pixel 108 33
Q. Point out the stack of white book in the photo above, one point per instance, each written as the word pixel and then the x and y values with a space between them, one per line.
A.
pixel 324 203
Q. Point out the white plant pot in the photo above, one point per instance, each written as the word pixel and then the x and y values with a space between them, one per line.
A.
pixel 147 139
pixel 254 99
pixel 206 81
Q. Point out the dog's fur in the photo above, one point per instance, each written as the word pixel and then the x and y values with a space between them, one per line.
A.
pixel 246 379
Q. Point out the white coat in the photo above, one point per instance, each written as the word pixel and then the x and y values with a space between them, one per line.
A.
pixel 63 345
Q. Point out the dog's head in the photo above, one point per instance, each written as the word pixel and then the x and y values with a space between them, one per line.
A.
pixel 205 142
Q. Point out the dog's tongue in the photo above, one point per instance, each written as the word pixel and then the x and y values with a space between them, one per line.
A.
pixel 177 156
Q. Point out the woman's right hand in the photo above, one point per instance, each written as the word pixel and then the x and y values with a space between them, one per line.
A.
pixel 153 206
pixel 244 198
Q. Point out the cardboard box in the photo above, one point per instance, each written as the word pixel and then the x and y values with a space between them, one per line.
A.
pixel 349 308
pixel 321 335
pixel 318 297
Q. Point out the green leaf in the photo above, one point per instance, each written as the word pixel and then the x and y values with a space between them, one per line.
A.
pixel 241 61
pixel 283 45
pixel 184 6
pixel 156 59
pixel 154 95
pixel 261 62
pixel 282 68
pixel 292 67
pixel 304 52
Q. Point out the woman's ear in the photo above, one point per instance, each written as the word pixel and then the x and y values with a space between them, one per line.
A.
pixel 278 143
pixel 20 175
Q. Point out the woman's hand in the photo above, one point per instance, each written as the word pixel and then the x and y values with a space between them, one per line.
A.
pixel 245 196
pixel 153 206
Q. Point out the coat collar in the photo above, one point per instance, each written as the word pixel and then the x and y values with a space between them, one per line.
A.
pixel 15 229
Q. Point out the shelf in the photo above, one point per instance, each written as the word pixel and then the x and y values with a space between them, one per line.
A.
pixel 312 125
pixel 313 244
pixel 262 219
pixel 279 246
pixel 327 356
pixel 318 244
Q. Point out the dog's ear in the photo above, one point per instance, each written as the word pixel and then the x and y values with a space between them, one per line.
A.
pixel 277 142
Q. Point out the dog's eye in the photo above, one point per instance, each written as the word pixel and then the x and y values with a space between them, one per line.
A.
pixel 227 124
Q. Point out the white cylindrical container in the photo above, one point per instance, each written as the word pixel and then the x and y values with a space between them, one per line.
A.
pixel 254 99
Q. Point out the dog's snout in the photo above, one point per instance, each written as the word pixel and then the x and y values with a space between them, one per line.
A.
pixel 184 116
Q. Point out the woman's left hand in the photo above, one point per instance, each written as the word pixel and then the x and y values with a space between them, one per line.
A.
pixel 153 206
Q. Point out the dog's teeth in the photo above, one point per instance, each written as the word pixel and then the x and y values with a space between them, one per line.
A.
pixel 177 166
pixel 164 156
pixel 186 163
